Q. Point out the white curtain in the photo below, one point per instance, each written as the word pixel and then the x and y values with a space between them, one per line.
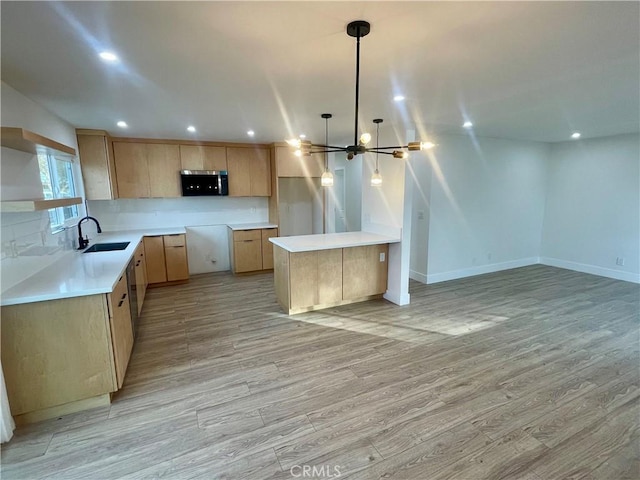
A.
pixel 6 424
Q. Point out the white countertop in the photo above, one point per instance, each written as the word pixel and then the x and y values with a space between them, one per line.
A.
pixel 251 226
pixel 309 243
pixel 77 274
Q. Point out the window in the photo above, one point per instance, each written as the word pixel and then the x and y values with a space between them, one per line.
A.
pixel 56 176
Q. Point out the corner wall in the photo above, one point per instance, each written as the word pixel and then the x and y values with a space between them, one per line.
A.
pixel 592 214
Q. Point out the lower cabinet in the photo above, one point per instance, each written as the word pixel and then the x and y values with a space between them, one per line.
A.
pixel 166 258
pixel 141 275
pixel 319 279
pixel 60 356
pixel 121 328
pixel 251 250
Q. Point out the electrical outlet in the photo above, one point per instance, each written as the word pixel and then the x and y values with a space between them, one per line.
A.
pixel 367 217
pixel 474 260
pixel 420 215
pixel 253 209
pixel 620 261
pixel 489 256
pixel 382 256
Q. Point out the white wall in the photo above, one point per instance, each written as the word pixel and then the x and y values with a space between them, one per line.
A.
pixel 592 211
pixel 486 200
pixel 20 179
pixel 205 219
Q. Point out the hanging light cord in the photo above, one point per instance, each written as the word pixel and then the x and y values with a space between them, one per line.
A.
pixel 326 142
pixel 377 143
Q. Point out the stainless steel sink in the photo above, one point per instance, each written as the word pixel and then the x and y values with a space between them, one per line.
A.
pixel 107 247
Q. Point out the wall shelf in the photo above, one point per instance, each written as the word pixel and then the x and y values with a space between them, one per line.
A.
pixel 26 141
pixel 37 204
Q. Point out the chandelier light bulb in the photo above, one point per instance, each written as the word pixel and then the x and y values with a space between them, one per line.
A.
pixel 298 153
pixel 365 138
pixel 427 145
pixel 376 179
pixel 327 179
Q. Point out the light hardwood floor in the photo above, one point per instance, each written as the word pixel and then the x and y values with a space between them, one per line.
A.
pixel 531 373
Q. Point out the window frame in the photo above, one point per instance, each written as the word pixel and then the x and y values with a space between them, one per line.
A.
pixel 57 216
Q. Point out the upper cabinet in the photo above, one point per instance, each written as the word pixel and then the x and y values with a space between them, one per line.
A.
pixel 98 168
pixel 249 172
pixel 203 157
pixel 288 165
pixel 145 170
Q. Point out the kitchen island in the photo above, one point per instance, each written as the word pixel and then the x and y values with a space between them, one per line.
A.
pixel 312 272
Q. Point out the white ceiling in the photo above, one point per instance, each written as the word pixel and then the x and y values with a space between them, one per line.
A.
pixel 520 70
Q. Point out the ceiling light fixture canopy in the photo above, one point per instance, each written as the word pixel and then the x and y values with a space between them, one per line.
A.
pixel 357 29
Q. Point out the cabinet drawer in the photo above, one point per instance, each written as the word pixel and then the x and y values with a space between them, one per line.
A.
pixel 177 240
pixel 242 235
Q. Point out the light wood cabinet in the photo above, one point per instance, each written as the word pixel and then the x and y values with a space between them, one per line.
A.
pixel 166 258
pixel 132 169
pixel 154 256
pixel 121 328
pixel 97 164
pixel 365 271
pixel 288 165
pixel 175 254
pixel 249 172
pixel 164 170
pixel 267 247
pixel 319 279
pixel 250 250
pixel 141 275
pixel 147 170
pixel 203 157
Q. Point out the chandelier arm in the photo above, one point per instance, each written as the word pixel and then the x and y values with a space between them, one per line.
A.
pixel 329 151
pixel 327 146
pixel 383 153
pixel 387 148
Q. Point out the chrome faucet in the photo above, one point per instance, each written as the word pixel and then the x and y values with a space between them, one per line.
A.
pixel 83 242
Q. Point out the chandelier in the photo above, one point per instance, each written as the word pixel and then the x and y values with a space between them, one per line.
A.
pixel 356 29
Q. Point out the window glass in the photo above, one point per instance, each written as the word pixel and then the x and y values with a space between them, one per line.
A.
pixel 56 176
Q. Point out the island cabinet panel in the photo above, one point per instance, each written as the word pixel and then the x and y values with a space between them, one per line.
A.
pixel 163 161
pixel 132 169
pixel 156 264
pixel 315 278
pixel 56 352
pixel 121 328
pixel 203 157
pixel 364 271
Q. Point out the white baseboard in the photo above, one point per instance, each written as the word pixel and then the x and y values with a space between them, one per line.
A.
pixel 592 269
pixel 417 276
pixel 479 270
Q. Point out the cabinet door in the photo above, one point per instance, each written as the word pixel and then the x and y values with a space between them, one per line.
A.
pixel 260 173
pixel 191 157
pixel 364 271
pixel 267 247
pixel 132 170
pixel 247 250
pixel 154 256
pixel 164 170
pixel 315 278
pixel 121 328
pixel 239 168
pixel 141 276
pixel 288 165
pixel 98 170
pixel 177 263
pixel 215 158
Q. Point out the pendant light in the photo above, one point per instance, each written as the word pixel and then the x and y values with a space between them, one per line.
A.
pixel 327 177
pixel 376 178
pixel 357 29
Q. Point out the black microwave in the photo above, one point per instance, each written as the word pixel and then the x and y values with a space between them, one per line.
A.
pixel 196 183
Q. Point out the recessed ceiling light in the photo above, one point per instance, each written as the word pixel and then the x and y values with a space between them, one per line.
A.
pixel 251 133
pixel 575 135
pixel 398 98
pixel 302 135
pixel 467 124
pixel 122 124
pixel 108 56
pixel 191 128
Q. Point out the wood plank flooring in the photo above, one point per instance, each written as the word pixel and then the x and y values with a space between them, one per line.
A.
pixel 531 373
